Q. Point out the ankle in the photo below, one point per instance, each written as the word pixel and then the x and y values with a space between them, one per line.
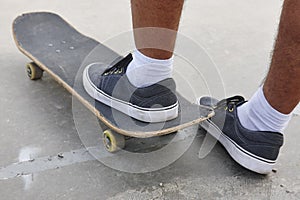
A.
pixel 258 115
pixel 144 71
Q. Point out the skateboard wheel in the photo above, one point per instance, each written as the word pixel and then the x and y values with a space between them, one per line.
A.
pixel 34 72
pixel 113 141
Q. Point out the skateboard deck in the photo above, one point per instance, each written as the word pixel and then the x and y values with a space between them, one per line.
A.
pixel 57 48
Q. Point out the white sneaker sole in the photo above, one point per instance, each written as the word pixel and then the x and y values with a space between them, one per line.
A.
pixel 143 114
pixel 243 157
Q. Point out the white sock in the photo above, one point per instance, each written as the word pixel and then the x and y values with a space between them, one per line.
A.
pixel 258 115
pixel 144 71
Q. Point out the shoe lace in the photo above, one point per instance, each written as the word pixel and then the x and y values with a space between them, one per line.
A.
pixel 229 103
pixel 120 67
pixel 114 70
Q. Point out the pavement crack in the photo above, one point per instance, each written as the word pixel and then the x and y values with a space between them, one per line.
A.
pixel 35 165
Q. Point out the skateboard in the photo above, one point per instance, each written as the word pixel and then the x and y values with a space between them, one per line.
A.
pixel 57 48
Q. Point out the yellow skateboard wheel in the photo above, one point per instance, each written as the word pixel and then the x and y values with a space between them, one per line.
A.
pixel 34 72
pixel 113 141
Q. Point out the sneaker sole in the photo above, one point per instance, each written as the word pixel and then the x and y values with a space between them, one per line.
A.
pixel 151 115
pixel 243 157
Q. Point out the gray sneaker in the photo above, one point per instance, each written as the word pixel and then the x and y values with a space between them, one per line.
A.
pixel 254 150
pixel 155 103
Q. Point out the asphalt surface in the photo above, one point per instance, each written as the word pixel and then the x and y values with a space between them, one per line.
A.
pixel 44 149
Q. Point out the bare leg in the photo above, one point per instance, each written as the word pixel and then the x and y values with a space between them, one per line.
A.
pixel 147 70
pixel 282 86
pixel 156 13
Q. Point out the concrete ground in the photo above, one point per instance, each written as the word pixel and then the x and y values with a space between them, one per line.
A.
pixel 42 156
